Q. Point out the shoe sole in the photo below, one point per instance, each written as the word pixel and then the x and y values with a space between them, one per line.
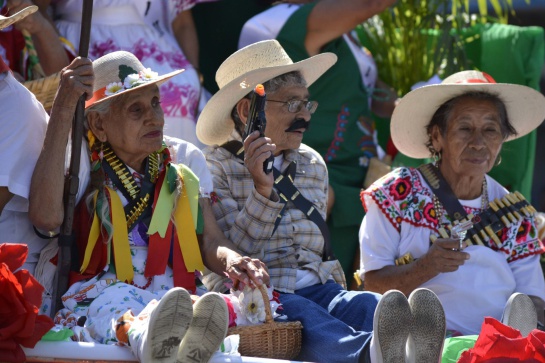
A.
pixel 391 324
pixel 169 323
pixel 207 330
pixel 429 326
pixel 520 313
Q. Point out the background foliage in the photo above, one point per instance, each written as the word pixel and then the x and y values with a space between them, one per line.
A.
pixel 416 39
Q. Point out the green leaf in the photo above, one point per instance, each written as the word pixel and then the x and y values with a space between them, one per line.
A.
pixel 124 71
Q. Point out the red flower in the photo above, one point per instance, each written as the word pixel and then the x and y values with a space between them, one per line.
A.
pixel 430 213
pixel 401 188
pixel 20 298
pixel 231 310
pixel 523 230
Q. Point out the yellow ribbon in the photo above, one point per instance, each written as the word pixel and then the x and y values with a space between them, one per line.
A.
pixel 185 218
pixel 122 251
pixel 191 182
pixel 93 237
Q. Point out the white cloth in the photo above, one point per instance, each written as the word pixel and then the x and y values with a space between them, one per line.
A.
pixel 144 29
pixel 479 288
pixel 22 131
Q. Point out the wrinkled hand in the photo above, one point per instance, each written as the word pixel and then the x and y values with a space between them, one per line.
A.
pixel 444 256
pixel 247 271
pixel 33 23
pixel 256 151
pixel 76 79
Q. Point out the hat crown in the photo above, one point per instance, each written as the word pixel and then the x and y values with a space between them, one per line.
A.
pixel 114 67
pixel 264 54
pixel 467 77
pixel 6 21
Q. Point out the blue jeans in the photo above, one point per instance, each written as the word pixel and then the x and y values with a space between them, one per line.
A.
pixel 337 324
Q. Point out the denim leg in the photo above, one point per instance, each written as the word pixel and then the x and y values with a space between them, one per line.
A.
pixel 354 308
pixel 325 338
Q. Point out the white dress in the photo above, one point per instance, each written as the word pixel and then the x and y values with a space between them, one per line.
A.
pixel 144 29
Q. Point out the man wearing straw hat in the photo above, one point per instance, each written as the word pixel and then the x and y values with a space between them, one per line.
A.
pixel 22 132
pixel 265 221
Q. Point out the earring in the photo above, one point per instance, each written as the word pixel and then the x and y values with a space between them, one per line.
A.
pixel 436 156
pixel 97 155
pixel 498 161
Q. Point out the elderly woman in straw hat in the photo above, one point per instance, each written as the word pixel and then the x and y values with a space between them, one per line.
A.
pixel 448 226
pixel 144 222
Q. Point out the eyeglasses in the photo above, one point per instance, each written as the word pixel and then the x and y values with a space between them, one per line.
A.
pixel 295 106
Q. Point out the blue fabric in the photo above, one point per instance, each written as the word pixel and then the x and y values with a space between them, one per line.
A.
pixel 337 324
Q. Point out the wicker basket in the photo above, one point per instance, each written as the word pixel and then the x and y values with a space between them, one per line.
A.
pixel 271 339
pixel 44 89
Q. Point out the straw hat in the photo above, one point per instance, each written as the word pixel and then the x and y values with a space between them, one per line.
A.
pixel 121 72
pixel 525 108
pixel 7 21
pixel 241 72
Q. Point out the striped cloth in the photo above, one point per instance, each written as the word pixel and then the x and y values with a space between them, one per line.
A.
pixel 247 218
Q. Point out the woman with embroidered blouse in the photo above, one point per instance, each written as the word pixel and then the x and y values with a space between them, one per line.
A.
pixel 448 226
pixel 145 228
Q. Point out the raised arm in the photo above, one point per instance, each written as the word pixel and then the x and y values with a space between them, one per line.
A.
pixel 46 189
pixel 45 37
pixel 332 18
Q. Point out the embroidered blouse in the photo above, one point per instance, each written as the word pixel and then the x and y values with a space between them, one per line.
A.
pixel 400 219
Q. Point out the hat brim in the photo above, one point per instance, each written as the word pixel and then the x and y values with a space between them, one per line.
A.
pixel 7 21
pixel 158 81
pixel 214 125
pixel 525 109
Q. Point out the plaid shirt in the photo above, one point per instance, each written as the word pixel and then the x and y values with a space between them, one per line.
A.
pixel 247 218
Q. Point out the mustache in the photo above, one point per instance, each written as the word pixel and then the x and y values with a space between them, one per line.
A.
pixel 298 124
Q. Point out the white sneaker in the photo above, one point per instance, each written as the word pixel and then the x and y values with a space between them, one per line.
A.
pixel 168 324
pixel 391 324
pixel 520 313
pixel 427 336
pixel 207 330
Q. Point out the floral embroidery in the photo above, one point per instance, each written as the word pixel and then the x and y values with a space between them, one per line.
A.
pixel 401 188
pixel 402 197
pixel 338 137
pixel 367 142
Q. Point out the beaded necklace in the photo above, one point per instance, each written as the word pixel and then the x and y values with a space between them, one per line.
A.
pixel 124 180
pixel 439 207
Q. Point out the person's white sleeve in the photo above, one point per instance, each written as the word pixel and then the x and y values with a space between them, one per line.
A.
pixel 379 240
pixel 183 152
pixel 529 276
pixel 22 131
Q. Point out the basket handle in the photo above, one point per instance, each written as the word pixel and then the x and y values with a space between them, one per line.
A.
pixel 268 314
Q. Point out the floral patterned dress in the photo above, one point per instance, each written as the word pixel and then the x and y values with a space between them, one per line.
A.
pixel 144 29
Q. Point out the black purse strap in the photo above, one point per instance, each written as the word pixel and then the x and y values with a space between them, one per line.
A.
pixel 443 191
pixel 287 191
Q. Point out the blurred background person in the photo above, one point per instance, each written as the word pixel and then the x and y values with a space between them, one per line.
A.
pixel 161 34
